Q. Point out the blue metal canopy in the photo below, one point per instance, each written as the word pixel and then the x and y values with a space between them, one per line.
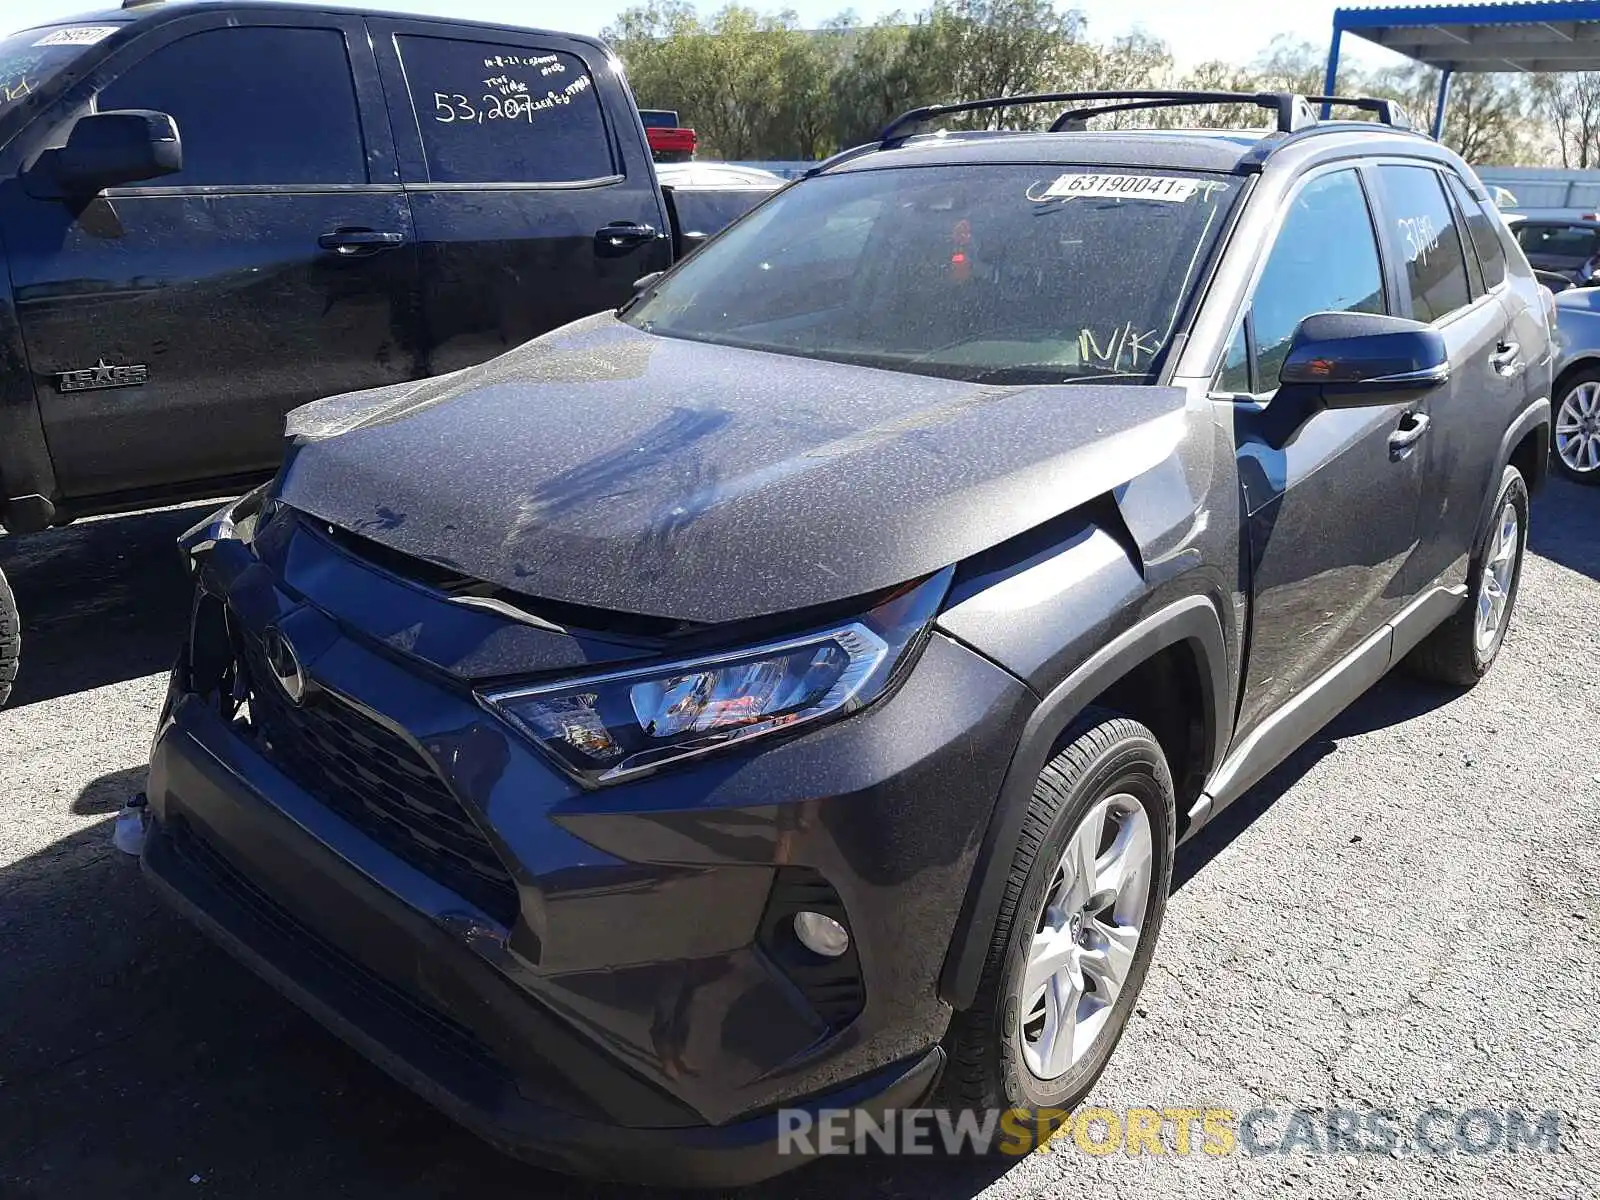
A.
pixel 1540 35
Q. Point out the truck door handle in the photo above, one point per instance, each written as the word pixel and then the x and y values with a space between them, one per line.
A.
pixel 623 235
pixel 1412 426
pixel 350 243
pixel 1507 359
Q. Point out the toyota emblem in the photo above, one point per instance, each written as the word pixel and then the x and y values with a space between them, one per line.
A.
pixel 285 666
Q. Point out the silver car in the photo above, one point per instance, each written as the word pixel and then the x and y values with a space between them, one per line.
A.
pixel 1576 402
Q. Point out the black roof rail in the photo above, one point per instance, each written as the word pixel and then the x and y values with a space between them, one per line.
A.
pixel 1076 119
pixel 1292 111
pixel 1388 112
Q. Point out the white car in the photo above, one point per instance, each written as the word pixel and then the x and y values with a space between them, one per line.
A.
pixel 713 174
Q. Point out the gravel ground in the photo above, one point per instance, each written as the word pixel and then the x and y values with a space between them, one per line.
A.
pixel 1404 916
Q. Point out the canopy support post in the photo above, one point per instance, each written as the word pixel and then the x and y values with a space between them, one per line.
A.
pixel 1331 81
pixel 1445 77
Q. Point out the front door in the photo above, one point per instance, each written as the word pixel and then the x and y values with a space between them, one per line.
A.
pixel 270 271
pixel 1330 495
pixel 518 150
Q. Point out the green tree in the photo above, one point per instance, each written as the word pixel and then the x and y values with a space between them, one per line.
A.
pixel 755 85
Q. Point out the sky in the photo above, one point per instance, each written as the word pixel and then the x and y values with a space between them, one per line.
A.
pixel 1197 30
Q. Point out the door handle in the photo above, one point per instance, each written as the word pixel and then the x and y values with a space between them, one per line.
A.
pixel 1412 426
pixel 1506 359
pixel 349 243
pixel 623 235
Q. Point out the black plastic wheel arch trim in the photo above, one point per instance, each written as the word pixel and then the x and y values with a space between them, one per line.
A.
pixel 1193 619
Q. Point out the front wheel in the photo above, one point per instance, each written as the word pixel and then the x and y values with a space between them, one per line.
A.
pixel 10 639
pixel 1078 924
pixel 1575 447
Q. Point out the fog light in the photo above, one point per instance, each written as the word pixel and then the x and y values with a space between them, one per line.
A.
pixel 821 935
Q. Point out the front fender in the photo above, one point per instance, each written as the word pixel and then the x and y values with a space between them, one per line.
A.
pixel 1194 620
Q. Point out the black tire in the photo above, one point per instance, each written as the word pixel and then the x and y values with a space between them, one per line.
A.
pixel 1569 385
pixel 1102 755
pixel 1451 654
pixel 10 639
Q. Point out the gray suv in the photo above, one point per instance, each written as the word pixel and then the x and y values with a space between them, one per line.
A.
pixel 790 691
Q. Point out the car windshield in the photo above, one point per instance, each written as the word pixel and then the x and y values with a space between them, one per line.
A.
pixel 990 273
pixel 28 59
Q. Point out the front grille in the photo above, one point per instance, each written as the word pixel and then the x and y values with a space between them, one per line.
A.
pixel 379 783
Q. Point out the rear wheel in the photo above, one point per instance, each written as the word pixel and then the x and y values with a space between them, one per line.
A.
pixel 1078 924
pixel 1462 650
pixel 10 639
pixel 1575 446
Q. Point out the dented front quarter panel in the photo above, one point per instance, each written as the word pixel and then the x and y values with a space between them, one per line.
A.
pixel 1043 604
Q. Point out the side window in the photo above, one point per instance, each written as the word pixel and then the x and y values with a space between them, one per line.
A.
pixel 1324 260
pixel 1482 226
pixel 1234 375
pixel 498 114
pixel 254 105
pixel 1422 233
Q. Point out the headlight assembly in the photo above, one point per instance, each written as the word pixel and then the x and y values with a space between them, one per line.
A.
pixel 604 728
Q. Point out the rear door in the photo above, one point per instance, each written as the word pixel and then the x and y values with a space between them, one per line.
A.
pixel 529 178
pixel 220 297
pixel 1441 284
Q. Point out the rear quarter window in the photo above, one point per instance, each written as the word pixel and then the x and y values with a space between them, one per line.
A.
pixel 492 113
pixel 1483 226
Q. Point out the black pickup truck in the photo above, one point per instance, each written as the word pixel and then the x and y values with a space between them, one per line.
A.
pixel 211 213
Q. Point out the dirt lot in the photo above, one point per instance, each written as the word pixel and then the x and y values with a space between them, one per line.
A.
pixel 1405 916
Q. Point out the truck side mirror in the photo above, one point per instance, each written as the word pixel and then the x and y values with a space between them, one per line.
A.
pixel 112 148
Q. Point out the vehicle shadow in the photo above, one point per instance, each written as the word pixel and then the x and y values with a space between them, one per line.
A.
pixel 102 601
pixel 1398 697
pixel 1565 526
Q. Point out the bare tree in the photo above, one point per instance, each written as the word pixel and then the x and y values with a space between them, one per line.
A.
pixel 1571 105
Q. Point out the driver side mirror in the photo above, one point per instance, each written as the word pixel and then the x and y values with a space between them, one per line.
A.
pixel 113 148
pixel 1358 359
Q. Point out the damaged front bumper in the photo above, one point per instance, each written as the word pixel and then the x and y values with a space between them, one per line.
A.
pixel 603 981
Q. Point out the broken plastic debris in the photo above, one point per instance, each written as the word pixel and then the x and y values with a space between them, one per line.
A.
pixel 127 834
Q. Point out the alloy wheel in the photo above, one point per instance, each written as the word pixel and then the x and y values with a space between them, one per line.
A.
pixel 1499 568
pixel 1087 934
pixel 1578 428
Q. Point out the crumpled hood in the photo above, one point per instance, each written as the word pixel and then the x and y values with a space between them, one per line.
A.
pixel 603 466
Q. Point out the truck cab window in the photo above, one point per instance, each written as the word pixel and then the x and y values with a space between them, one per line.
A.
pixel 254 105
pixel 493 113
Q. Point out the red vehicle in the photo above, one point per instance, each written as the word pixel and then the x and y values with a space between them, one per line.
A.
pixel 669 142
